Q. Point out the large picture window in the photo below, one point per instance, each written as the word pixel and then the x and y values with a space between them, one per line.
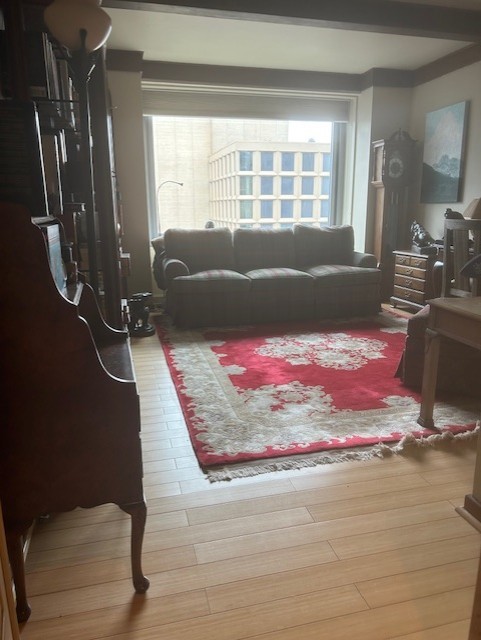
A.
pixel 237 173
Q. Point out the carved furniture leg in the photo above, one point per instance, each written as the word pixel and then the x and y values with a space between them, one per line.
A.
pixel 138 514
pixel 430 374
pixel 15 554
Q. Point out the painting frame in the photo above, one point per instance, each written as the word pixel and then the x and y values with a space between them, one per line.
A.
pixel 443 154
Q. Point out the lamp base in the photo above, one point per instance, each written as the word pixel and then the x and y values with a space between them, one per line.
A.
pixel 139 326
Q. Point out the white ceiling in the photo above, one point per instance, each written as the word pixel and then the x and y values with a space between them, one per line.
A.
pixel 169 36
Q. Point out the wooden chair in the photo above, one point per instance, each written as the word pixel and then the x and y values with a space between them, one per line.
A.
pixel 462 241
pixel 459 365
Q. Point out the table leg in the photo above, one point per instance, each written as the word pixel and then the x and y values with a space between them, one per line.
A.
pixel 430 374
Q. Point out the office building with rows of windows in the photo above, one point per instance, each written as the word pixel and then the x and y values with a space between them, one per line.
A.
pixel 270 185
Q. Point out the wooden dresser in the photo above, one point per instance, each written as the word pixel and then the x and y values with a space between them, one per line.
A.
pixel 413 279
pixel 70 431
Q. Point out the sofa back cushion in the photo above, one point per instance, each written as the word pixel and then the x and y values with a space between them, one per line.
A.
pixel 264 248
pixel 201 249
pixel 325 245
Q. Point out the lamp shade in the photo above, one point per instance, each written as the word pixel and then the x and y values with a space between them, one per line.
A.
pixel 473 209
pixel 66 18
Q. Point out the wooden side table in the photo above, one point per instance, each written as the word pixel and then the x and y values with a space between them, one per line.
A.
pixel 455 318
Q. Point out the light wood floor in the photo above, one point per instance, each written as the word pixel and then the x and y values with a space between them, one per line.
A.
pixel 366 550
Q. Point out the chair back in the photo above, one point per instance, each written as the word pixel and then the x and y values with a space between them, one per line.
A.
pixel 462 241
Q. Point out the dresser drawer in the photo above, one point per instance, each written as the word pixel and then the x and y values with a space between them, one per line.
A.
pixel 419 262
pixel 410 283
pixel 412 261
pixel 412 272
pixel 409 294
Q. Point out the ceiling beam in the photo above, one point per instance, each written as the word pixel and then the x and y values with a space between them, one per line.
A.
pixel 382 16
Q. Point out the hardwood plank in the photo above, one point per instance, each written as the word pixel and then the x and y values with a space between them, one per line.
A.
pixel 108 530
pixel 368 543
pixel 260 619
pixel 343 491
pixel 423 582
pixel 387 622
pixel 341 572
pixel 356 525
pixel 137 614
pixel 103 571
pixel 161 540
pixel 454 631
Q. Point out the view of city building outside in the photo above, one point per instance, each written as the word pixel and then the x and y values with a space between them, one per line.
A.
pixel 241 173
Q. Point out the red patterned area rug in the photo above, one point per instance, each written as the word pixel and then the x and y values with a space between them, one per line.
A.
pixel 269 397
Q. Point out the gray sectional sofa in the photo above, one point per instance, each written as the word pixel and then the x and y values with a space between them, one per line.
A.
pixel 216 277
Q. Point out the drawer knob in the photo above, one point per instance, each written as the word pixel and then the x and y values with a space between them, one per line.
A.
pixel 409 283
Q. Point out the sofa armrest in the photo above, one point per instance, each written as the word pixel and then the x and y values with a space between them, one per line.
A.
pixel 364 260
pixel 174 268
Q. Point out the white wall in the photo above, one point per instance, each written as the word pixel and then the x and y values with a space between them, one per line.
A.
pixel 360 188
pixel 380 113
pixel 455 87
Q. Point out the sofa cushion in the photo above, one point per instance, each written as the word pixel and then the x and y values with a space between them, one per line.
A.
pixel 280 278
pixel 342 275
pixel 212 281
pixel 200 249
pixel 325 245
pixel 263 248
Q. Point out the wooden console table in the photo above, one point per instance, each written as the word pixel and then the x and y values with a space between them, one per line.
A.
pixel 455 318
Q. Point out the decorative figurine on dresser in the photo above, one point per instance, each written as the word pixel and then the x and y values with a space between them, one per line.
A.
pixel 70 431
pixel 391 177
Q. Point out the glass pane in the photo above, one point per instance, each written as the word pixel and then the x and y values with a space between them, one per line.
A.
pixel 246 208
pixel 287 185
pixel 245 160
pixel 267 185
pixel 326 161
pixel 266 208
pixel 287 162
pixel 246 185
pixel 307 208
pixel 267 160
pixel 307 186
pixel 287 208
pixel 325 209
pixel 308 161
pixel 326 186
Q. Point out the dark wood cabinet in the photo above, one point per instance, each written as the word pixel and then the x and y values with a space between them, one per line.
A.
pixel 70 433
pixel 71 162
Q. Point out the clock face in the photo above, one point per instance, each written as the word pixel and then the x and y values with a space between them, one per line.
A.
pixel 395 166
pixel 395 174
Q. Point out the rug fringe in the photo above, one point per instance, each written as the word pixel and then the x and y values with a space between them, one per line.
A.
pixel 382 450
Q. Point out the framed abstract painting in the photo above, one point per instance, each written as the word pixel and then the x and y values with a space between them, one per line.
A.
pixel 443 156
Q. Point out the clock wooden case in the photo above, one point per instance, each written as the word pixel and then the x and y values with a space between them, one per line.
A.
pixel 391 176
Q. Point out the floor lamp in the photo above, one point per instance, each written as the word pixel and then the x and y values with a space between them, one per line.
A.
pixel 81 27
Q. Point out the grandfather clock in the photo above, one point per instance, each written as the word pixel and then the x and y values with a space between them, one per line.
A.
pixel 392 170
